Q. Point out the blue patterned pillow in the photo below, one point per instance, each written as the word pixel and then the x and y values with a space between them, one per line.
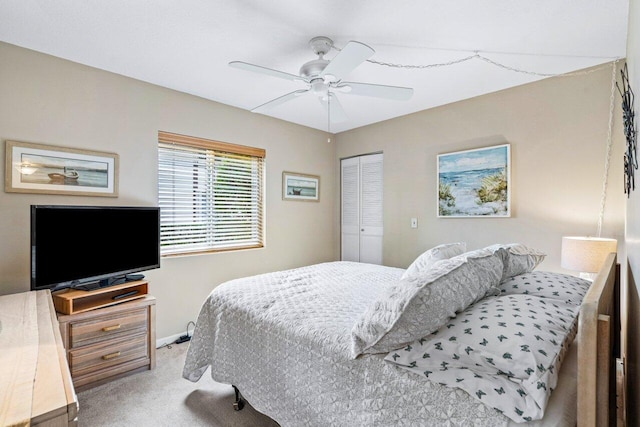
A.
pixel 505 351
pixel 546 284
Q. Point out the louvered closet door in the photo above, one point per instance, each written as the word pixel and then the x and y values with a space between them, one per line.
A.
pixel 361 223
pixel 350 209
pixel 371 209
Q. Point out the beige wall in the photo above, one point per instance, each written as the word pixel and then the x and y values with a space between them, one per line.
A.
pixel 632 236
pixel 48 100
pixel 557 129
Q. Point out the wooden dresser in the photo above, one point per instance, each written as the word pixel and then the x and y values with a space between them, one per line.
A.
pixel 109 342
pixel 35 385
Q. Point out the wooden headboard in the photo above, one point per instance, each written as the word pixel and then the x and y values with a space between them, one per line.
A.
pixel 598 347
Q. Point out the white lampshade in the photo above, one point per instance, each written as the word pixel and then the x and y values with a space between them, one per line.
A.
pixel 586 254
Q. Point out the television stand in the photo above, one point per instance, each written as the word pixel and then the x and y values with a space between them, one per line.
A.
pixel 71 301
pixel 109 342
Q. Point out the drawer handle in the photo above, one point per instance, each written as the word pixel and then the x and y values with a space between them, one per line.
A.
pixel 111 355
pixel 110 328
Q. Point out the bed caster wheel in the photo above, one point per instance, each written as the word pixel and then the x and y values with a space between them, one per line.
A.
pixel 238 404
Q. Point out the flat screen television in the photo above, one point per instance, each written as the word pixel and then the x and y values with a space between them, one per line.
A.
pixel 87 247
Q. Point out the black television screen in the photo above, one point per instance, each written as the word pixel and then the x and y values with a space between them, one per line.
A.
pixel 90 246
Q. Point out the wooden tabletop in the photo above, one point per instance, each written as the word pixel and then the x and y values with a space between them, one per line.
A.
pixel 35 384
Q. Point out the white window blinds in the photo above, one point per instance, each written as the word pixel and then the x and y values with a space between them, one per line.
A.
pixel 210 195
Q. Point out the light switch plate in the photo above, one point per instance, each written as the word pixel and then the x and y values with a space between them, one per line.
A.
pixel 414 222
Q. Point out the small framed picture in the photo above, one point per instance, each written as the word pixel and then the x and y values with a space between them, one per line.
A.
pixel 475 183
pixel 300 186
pixel 48 169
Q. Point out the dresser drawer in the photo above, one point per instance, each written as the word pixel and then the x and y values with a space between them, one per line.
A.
pixel 116 325
pixel 107 354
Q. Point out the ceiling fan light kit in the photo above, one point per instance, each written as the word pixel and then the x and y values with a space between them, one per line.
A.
pixel 324 78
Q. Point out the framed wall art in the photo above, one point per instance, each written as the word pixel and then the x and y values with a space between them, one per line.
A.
pixel 48 169
pixel 475 183
pixel 299 186
pixel 629 122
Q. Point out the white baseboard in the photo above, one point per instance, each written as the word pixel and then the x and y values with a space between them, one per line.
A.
pixel 168 340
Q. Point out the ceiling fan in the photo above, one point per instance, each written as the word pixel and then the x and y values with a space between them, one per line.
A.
pixel 324 78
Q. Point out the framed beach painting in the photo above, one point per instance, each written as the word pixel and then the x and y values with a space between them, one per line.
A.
pixel 48 169
pixel 299 186
pixel 475 183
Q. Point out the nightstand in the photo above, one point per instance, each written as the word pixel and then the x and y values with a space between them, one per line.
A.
pixel 109 342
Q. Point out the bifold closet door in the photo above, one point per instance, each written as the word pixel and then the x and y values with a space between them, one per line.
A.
pixel 361 209
pixel 350 209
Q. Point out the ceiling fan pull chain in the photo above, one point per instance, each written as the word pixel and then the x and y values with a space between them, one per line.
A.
pixel 329 115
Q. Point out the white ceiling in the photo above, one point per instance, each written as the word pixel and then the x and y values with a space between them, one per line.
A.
pixel 186 45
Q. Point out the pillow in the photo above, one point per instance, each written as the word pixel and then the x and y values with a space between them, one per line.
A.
pixel 504 351
pixel 545 284
pixel 419 305
pixel 428 258
pixel 521 259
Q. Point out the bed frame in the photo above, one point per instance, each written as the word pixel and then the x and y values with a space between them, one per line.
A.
pixel 598 348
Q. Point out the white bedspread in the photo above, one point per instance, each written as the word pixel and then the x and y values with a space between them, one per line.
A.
pixel 283 339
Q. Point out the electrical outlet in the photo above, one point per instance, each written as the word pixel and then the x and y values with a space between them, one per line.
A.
pixel 414 222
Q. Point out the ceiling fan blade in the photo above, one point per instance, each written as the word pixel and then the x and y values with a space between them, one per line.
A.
pixel 280 100
pixel 264 70
pixel 381 91
pixel 337 112
pixel 352 55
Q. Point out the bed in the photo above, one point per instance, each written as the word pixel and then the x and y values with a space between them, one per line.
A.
pixel 286 341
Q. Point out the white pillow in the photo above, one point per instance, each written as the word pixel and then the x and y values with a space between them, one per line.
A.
pixel 520 259
pixel 428 258
pixel 421 304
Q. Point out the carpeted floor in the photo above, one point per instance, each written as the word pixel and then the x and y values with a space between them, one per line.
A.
pixel 163 398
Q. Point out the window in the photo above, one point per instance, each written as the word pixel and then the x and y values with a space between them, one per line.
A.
pixel 210 195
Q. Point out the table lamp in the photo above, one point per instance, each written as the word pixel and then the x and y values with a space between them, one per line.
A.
pixel 586 254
